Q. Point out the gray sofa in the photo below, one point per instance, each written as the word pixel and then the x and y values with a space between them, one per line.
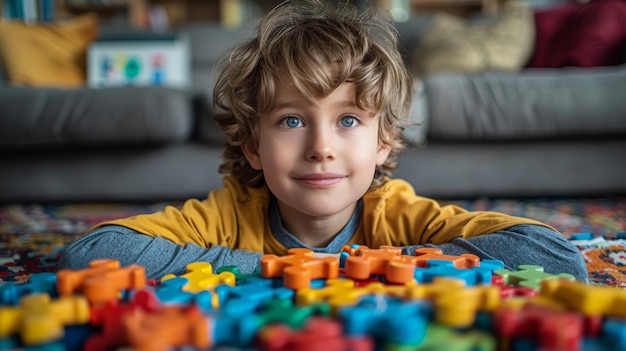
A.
pixel 539 132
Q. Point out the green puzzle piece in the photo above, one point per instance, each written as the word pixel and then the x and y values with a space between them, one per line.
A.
pixel 441 338
pixel 529 276
pixel 238 276
pixel 284 311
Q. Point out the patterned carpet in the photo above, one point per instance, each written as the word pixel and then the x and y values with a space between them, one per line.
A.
pixel 32 236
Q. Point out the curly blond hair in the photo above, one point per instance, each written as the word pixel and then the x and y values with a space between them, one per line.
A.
pixel 319 46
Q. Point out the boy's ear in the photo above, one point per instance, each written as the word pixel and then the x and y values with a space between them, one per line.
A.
pixel 252 156
pixel 383 153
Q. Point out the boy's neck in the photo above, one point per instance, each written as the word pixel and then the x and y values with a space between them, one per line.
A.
pixel 314 231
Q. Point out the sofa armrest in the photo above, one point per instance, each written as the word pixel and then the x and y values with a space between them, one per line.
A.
pixel 44 117
pixel 534 103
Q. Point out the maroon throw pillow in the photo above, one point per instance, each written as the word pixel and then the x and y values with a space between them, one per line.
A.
pixel 580 35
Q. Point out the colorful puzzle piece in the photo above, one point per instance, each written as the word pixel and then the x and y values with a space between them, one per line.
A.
pixel 39 320
pixel 457 308
pixel 240 330
pixel 299 267
pixel 103 281
pixel 167 328
pixel 238 276
pixel 440 338
pixel 424 254
pixel 171 291
pixel 550 329
pixel 318 334
pixel 200 277
pixel 45 282
pixel 108 318
pixel 529 276
pixel 388 320
pixel 249 295
pixel 339 293
pixel 445 268
pixel 387 261
pixel 465 308
pixel 589 300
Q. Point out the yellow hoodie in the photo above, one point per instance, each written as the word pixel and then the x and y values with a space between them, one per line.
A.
pixel 236 216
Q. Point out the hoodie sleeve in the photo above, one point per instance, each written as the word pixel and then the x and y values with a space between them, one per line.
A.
pixel 157 255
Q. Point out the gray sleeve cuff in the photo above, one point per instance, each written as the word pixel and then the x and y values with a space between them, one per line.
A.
pixel 157 255
pixel 520 245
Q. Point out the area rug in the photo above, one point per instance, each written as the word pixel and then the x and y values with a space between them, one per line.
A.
pixel 32 236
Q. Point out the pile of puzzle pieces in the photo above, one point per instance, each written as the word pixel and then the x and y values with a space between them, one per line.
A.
pixel 365 299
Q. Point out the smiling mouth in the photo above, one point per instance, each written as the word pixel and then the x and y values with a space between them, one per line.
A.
pixel 320 180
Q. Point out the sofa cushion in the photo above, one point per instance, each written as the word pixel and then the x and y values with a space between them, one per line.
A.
pixel 581 35
pixel 45 117
pixel 454 44
pixel 47 54
pixel 208 42
pixel 537 103
pixel 416 133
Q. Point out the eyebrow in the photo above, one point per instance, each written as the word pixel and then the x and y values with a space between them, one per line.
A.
pixel 293 104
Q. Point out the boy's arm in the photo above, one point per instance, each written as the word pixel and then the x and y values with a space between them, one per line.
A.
pixel 519 245
pixel 157 255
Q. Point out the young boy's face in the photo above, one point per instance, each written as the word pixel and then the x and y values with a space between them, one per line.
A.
pixel 318 157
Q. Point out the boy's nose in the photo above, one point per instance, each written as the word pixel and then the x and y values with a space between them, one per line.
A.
pixel 320 146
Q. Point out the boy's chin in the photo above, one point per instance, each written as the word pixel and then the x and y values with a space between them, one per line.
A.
pixel 324 210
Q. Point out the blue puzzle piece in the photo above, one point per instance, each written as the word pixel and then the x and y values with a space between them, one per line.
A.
pixel 240 330
pixel 442 268
pixel 614 331
pixel 233 330
pixel 343 256
pixel 317 283
pixel 581 236
pixel 524 344
pixel 75 336
pixel 13 343
pixel 387 319
pixel 491 265
pixel 171 291
pixel 251 293
pixel 45 282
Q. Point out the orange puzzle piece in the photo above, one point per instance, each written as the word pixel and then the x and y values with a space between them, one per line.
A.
pixel 387 260
pixel 167 328
pixel 102 281
pixel 299 267
pixel 424 254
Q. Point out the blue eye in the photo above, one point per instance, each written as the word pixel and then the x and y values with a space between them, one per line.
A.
pixel 348 121
pixel 291 122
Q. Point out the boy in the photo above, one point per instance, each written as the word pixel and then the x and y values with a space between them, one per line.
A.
pixel 313 111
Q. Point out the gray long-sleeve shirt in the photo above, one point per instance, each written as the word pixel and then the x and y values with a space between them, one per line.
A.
pixel 518 245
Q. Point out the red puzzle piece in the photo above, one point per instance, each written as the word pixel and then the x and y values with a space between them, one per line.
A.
pixel 319 334
pixel 109 318
pixel 551 329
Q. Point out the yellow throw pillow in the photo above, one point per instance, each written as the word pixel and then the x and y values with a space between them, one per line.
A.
pixel 454 45
pixel 47 54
